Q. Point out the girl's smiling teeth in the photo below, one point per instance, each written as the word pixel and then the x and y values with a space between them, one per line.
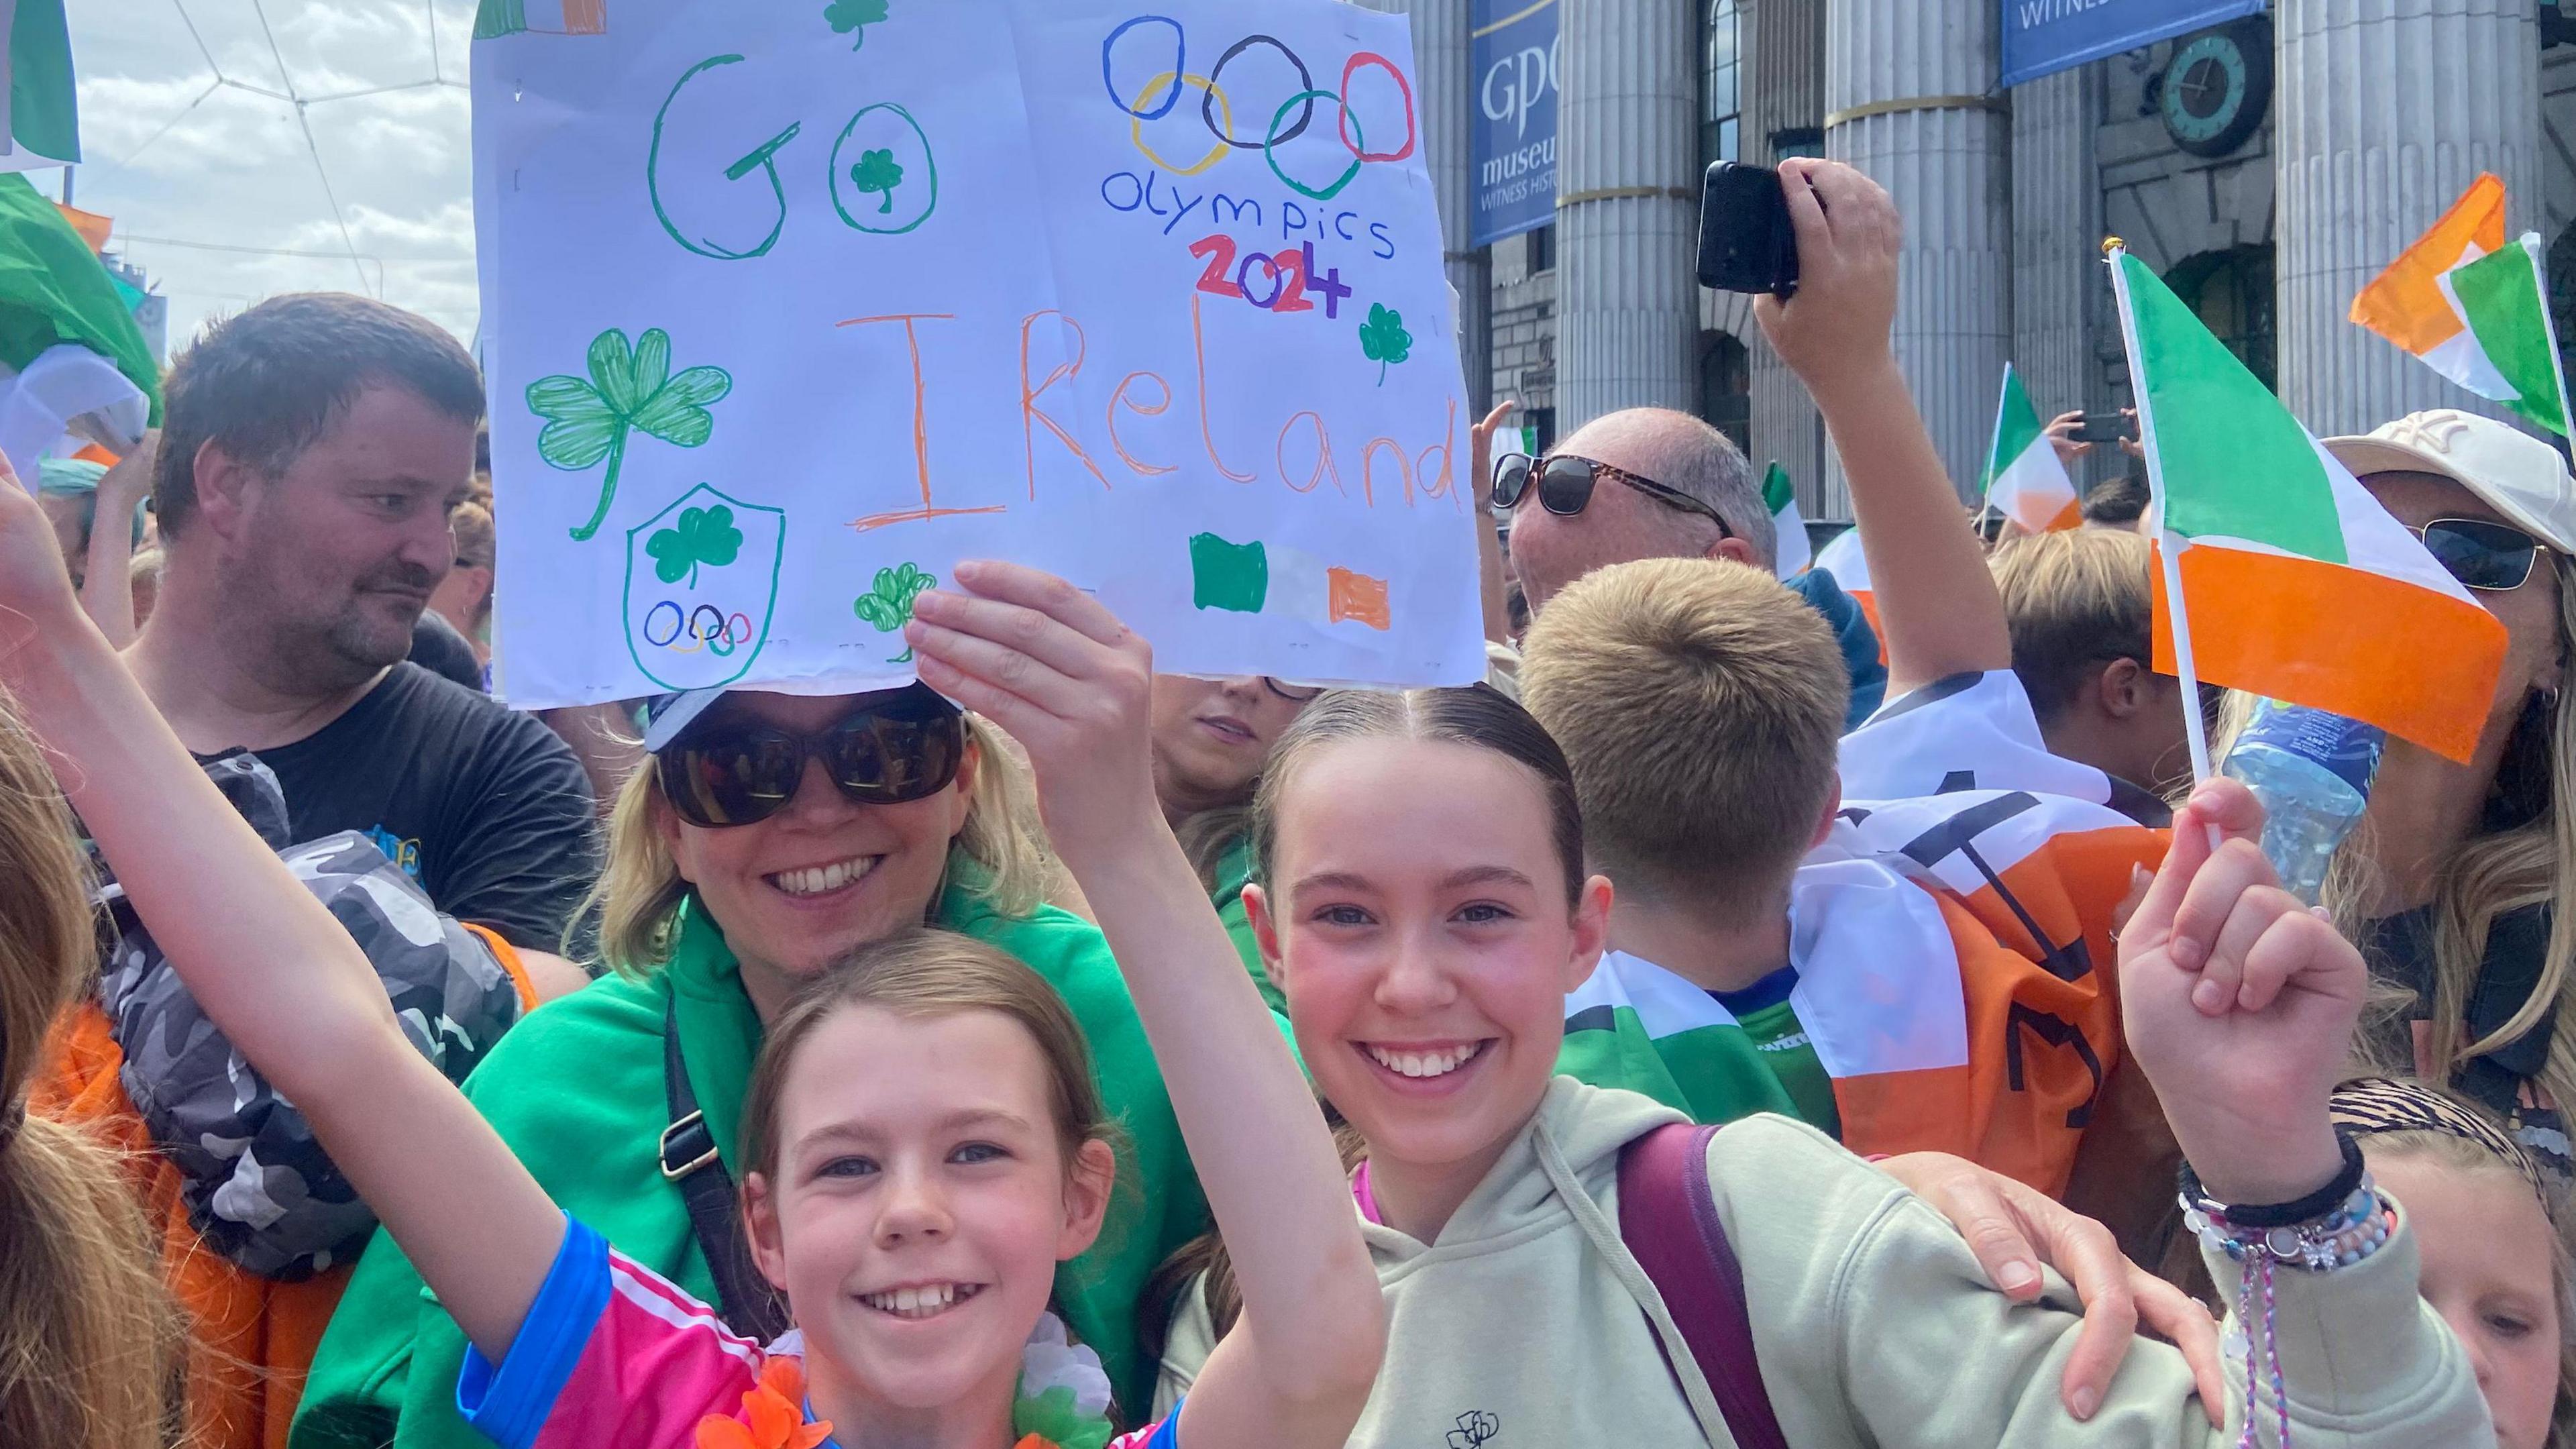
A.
pixel 927 1300
pixel 815 880
pixel 1424 1062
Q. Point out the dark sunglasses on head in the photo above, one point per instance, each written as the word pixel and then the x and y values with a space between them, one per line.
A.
pixel 1565 484
pixel 894 748
pixel 2492 557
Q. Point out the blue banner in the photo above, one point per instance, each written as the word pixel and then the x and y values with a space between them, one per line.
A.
pixel 2042 37
pixel 1513 52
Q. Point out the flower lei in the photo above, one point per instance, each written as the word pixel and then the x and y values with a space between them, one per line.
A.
pixel 773 1413
pixel 1062 1402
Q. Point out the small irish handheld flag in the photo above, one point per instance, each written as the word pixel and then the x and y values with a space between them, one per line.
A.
pixel 2475 308
pixel 2291 580
pixel 2023 475
pixel 1790 553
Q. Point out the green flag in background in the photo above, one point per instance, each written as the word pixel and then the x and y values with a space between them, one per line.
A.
pixel 53 288
pixel 2504 297
pixel 1790 553
pixel 44 120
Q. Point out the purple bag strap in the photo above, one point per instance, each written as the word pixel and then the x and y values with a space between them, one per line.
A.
pixel 1668 1218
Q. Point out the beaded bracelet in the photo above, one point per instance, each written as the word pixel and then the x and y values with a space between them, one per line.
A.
pixel 2356 1228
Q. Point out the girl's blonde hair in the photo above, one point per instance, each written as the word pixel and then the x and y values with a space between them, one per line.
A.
pixel 90 1342
pixel 639 892
pixel 2530 863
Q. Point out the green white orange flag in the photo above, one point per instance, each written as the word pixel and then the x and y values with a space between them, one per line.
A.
pixel 1791 553
pixel 37 97
pixel 2294 582
pixel 2023 475
pixel 2474 308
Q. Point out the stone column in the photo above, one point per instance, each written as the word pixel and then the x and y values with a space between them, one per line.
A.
pixel 2059 292
pixel 2388 109
pixel 1627 207
pixel 1785 90
pixel 1910 98
pixel 1443 90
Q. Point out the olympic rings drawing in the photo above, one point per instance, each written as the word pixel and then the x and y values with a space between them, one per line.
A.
pixel 1412 124
pixel 1180 63
pixel 1216 111
pixel 1358 156
pixel 721 640
pixel 1179 83
pixel 1305 83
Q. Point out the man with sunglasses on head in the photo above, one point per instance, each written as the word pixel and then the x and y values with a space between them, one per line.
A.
pixel 2462 869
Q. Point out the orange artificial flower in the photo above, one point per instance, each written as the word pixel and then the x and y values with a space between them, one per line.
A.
pixel 773 1414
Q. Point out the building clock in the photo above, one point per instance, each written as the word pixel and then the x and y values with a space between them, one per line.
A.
pixel 2217 88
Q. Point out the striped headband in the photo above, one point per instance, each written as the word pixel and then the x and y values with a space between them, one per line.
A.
pixel 2369 1106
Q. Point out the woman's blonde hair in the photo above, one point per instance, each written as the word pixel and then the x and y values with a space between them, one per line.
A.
pixel 639 892
pixel 90 1341
pixel 2532 862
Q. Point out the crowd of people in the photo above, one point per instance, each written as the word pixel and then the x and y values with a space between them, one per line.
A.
pixel 1746 1019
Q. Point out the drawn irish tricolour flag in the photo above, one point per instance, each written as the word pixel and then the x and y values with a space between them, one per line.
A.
pixel 2294 582
pixel 2474 307
pixel 2023 475
pixel 1790 553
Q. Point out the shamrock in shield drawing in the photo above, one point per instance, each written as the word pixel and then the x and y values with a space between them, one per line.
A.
pixel 628 390
pixel 701 536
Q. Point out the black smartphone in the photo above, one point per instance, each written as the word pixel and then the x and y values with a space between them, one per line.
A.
pixel 2101 428
pixel 1745 241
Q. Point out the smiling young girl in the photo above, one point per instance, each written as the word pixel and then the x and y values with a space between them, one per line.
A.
pixel 926 1141
pixel 2487 1217
pixel 1425 905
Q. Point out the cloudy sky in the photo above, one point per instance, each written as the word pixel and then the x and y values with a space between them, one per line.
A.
pixel 182 147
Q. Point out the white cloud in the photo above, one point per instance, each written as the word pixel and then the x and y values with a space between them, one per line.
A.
pixel 234 169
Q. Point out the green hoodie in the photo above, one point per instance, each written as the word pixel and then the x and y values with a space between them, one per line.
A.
pixel 577 1092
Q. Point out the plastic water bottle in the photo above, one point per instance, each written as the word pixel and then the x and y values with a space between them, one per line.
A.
pixel 2312 772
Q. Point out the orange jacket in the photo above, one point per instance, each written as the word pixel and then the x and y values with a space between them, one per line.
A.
pixel 251 1337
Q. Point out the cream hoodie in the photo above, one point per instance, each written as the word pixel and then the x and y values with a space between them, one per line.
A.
pixel 1525 1325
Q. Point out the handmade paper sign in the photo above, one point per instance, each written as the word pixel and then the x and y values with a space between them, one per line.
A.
pixel 790 306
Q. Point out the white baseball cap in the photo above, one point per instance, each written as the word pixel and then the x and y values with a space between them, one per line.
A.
pixel 2510 471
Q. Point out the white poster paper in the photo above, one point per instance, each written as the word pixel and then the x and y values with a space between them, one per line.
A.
pixel 790 306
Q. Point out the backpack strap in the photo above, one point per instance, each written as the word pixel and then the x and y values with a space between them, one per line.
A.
pixel 1668 1218
pixel 744 1299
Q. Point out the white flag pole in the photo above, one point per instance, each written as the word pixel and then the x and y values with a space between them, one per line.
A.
pixel 2169 544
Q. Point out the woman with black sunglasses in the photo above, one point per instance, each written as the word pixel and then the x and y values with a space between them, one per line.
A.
pixel 1211 739
pixel 2451 880
pixel 766 836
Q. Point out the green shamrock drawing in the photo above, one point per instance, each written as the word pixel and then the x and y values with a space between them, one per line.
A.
pixel 877 171
pixel 854 16
pixel 1383 339
pixel 588 420
pixel 702 536
pixel 888 604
